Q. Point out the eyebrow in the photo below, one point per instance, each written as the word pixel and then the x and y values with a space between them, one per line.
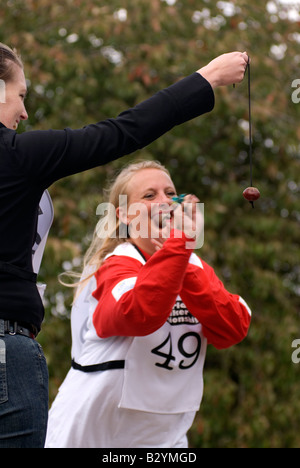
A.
pixel 155 189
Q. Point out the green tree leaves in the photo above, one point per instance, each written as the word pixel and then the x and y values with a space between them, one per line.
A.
pixel 89 60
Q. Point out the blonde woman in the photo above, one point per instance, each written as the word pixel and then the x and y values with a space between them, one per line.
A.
pixel 145 310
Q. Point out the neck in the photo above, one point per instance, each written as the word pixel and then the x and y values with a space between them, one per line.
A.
pixel 144 244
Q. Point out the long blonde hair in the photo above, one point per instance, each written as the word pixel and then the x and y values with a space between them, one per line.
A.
pixel 103 241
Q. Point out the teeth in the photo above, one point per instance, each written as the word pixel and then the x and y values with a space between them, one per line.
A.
pixel 163 217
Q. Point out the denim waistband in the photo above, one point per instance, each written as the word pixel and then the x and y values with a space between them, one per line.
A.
pixel 14 328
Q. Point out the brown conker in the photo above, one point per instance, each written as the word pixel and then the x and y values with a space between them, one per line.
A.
pixel 251 194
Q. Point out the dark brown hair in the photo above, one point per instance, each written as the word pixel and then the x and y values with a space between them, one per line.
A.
pixel 8 56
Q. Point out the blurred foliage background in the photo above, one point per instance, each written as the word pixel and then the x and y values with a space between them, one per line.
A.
pixel 89 60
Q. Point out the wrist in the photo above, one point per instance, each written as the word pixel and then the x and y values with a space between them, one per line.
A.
pixel 188 242
pixel 209 75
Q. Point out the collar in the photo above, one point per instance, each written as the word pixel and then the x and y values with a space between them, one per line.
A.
pixel 1 125
pixel 144 254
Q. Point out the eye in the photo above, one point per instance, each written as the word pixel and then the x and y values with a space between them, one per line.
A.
pixel 148 196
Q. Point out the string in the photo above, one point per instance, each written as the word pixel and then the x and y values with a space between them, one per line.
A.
pixel 250 125
pixel 250 128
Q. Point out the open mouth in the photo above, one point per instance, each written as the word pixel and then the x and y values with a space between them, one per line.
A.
pixel 163 218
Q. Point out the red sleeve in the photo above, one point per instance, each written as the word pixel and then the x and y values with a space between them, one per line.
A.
pixel 135 299
pixel 225 317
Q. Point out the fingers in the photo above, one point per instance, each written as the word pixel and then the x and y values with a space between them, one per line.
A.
pixel 157 244
pixel 226 69
pixel 189 206
pixel 246 57
pixel 246 61
pixel 186 216
pixel 191 198
pixel 239 65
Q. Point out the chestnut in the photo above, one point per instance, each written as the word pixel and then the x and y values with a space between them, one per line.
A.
pixel 251 194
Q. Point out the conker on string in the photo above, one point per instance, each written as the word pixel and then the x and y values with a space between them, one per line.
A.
pixel 251 194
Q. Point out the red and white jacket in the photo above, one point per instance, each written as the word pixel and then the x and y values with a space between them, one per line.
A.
pixel 136 299
pixel 156 315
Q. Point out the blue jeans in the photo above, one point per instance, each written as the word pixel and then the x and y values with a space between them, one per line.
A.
pixel 23 392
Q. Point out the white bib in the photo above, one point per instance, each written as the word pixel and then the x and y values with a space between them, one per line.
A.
pixel 163 371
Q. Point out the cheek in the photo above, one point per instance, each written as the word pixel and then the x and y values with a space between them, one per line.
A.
pixel 5 115
pixel 140 210
pixel 9 111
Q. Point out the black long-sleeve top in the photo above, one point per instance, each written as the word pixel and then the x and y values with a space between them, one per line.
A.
pixel 32 161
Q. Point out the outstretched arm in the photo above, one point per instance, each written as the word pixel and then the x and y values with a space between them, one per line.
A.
pixel 46 156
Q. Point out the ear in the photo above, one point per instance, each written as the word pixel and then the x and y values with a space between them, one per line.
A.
pixel 122 215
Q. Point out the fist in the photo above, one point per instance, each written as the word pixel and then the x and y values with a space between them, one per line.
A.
pixel 226 69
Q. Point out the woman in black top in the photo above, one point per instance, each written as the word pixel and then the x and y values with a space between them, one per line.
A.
pixel 29 164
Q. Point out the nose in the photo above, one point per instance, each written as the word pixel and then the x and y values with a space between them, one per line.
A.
pixel 164 199
pixel 24 115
